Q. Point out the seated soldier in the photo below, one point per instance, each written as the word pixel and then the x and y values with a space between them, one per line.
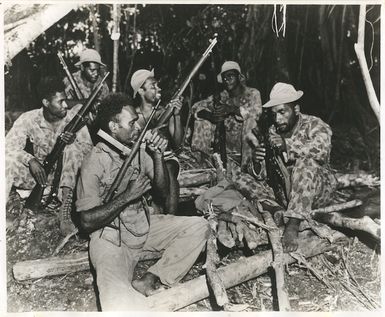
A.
pixel 42 127
pixel 239 106
pixel 307 141
pixel 147 93
pixel 122 228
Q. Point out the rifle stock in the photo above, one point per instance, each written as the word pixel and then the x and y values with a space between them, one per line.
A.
pixel 166 115
pixel 34 200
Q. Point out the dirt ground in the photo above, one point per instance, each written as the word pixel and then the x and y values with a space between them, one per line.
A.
pixel 347 278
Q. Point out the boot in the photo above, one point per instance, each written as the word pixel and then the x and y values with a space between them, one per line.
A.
pixel 66 224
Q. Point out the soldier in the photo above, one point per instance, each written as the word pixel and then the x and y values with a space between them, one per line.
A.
pixel 122 228
pixel 42 127
pixel 307 141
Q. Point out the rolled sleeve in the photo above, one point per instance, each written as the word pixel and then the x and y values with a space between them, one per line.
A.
pixel 88 187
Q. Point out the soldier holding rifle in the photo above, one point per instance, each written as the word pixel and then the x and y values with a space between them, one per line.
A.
pixel 239 107
pixel 307 141
pixel 87 76
pixel 42 127
pixel 122 227
pixel 146 94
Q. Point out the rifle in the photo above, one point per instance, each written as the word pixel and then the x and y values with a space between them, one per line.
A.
pixel 71 79
pixel 220 129
pixel 278 178
pixel 167 113
pixel 127 162
pixel 34 200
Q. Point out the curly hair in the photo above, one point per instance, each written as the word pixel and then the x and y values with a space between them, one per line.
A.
pixel 109 108
pixel 49 86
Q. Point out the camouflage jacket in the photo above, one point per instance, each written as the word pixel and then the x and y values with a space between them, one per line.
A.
pixel 237 127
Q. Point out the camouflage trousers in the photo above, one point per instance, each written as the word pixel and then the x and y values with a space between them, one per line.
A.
pixel 312 186
pixel 17 174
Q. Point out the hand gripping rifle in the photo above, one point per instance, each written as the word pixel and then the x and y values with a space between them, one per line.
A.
pixel 166 115
pixel 34 200
pixel 70 78
pixel 127 162
pixel 278 177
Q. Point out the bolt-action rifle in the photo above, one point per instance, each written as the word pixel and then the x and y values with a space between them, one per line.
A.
pixel 278 177
pixel 34 200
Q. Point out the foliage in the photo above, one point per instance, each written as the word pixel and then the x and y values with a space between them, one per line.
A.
pixel 316 54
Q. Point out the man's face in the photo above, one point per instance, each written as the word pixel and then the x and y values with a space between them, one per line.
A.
pixel 127 132
pixel 56 105
pixel 284 117
pixel 230 79
pixel 150 91
pixel 91 71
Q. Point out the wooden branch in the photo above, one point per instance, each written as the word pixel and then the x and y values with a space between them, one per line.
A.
pixel 278 260
pixel 58 265
pixel 328 209
pixel 235 273
pixel 212 260
pixel 187 179
pixel 64 241
pixel 365 223
pixel 359 47
pixel 191 193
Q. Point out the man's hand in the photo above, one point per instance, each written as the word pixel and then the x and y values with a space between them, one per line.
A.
pixel 177 105
pixel 38 172
pixel 276 140
pixel 259 154
pixel 68 137
pixel 156 144
pixel 222 110
pixel 137 188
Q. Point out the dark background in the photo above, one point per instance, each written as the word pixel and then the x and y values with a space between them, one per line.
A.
pixel 316 55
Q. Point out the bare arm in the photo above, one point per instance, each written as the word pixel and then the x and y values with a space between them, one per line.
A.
pixel 98 217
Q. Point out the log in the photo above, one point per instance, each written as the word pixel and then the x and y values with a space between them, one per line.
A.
pixel 191 193
pixel 278 262
pixel 233 274
pixel 193 179
pixel 365 223
pixel 212 261
pixel 58 265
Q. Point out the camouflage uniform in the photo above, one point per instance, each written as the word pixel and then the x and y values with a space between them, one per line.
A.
pixel 236 126
pixel 312 181
pixel 85 87
pixel 32 125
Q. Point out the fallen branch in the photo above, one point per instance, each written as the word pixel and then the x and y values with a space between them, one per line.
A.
pixel 212 260
pixel 328 209
pixel 64 241
pixel 278 260
pixel 233 274
pixel 365 223
pixel 59 265
pixel 359 47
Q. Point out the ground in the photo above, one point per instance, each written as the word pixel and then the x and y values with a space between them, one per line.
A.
pixel 34 236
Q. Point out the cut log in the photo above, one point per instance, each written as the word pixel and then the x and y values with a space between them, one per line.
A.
pixel 212 261
pixel 194 179
pixel 191 193
pixel 235 273
pixel 278 263
pixel 365 223
pixel 58 265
